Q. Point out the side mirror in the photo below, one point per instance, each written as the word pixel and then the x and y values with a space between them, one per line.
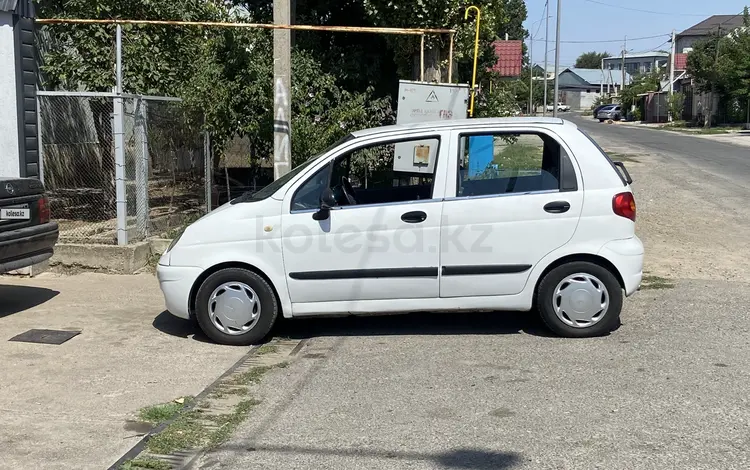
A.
pixel 327 201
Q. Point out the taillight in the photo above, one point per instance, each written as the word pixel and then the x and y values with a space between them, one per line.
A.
pixel 623 204
pixel 44 214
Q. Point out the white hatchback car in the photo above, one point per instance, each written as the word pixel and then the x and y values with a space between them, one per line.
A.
pixel 475 214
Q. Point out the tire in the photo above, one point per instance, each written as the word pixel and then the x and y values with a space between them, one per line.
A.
pixel 546 299
pixel 236 280
pixel 601 120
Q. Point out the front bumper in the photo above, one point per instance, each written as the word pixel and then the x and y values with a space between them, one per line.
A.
pixel 26 246
pixel 627 256
pixel 176 282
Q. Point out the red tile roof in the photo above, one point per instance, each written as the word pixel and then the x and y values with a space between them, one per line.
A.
pixel 509 58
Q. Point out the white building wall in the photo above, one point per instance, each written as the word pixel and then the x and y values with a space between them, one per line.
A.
pixel 9 150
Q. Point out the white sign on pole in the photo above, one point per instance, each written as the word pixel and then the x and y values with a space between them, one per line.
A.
pixel 421 102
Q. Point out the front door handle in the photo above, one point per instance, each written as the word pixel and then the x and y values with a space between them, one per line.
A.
pixel 414 217
pixel 557 207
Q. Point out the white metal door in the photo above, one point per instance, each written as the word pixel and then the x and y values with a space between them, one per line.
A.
pixel 363 253
pixel 489 243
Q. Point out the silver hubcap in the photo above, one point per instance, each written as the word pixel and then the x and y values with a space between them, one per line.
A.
pixel 234 308
pixel 580 300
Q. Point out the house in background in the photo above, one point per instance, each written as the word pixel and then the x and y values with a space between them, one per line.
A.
pixel 635 64
pixel 684 41
pixel 579 88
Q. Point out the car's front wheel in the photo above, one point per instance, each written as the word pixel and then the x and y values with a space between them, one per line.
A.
pixel 236 306
pixel 580 299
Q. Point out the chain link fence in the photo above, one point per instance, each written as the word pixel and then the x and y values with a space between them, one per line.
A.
pixel 164 155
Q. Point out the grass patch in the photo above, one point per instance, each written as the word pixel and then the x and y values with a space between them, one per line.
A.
pixel 145 463
pixel 651 281
pixel 162 412
pixel 228 423
pixel 688 129
pixel 251 376
pixel 266 349
pixel 519 156
pixel 186 432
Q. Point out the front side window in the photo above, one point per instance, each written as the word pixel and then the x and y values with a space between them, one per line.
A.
pixel 502 163
pixel 308 195
pixel 386 173
pixel 375 174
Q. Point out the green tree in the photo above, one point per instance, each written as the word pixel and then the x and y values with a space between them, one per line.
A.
pixel 591 60
pixel 720 66
pixel 676 105
pixel 640 84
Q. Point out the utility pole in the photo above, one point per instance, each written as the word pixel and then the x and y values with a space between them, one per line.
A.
pixel 710 106
pixel 671 65
pixel 557 60
pixel 624 48
pixel 671 73
pixel 531 73
pixel 546 50
pixel 282 74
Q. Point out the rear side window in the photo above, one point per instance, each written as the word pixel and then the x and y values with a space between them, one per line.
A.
pixel 503 163
pixel 601 150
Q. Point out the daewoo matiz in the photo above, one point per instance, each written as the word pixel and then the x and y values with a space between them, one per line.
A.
pixel 474 214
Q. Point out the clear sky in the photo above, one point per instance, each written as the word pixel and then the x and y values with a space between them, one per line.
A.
pixel 605 20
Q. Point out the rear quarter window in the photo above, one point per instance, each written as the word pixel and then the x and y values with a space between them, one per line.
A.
pixel 604 154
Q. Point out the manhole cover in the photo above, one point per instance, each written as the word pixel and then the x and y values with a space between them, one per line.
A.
pixel 45 336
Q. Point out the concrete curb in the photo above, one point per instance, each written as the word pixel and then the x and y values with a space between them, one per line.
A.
pixel 126 259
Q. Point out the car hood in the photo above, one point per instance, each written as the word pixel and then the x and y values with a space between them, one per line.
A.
pixel 233 222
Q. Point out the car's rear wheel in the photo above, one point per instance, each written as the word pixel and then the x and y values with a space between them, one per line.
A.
pixel 601 120
pixel 236 306
pixel 580 299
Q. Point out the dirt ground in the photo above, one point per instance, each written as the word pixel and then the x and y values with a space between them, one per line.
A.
pixel 694 225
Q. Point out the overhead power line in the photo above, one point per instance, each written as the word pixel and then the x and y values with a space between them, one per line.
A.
pixel 611 40
pixel 645 11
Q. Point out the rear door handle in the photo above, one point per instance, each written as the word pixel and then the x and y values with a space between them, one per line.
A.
pixel 414 217
pixel 557 207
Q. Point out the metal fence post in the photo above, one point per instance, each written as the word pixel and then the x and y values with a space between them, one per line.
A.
pixel 118 131
pixel 141 170
pixel 208 165
pixel 39 138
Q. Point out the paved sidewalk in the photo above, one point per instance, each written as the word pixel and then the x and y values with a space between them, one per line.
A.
pixel 68 406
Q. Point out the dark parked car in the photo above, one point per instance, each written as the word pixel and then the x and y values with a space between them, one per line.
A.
pixel 27 236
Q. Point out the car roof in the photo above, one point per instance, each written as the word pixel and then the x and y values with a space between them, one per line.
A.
pixel 459 124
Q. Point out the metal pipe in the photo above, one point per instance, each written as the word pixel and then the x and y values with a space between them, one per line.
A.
pixel 118 59
pixel 531 74
pixel 546 50
pixel 301 27
pixel 421 60
pixel 557 60
pixel 476 54
pixel 450 59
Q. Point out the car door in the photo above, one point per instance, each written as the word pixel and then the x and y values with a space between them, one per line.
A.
pixel 385 246
pixel 512 197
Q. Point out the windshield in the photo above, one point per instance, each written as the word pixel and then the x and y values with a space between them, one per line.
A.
pixel 276 184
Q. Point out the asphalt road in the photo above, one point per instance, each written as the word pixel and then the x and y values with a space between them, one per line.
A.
pixel 481 391
pixel 731 162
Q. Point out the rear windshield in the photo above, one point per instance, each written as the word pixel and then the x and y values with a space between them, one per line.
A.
pixel 601 150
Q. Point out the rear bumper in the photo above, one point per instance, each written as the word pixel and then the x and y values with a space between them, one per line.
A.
pixel 627 256
pixel 176 282
pixel 27 246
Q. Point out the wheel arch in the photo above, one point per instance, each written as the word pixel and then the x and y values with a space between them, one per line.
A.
pixel 591 258
pixel 225 265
